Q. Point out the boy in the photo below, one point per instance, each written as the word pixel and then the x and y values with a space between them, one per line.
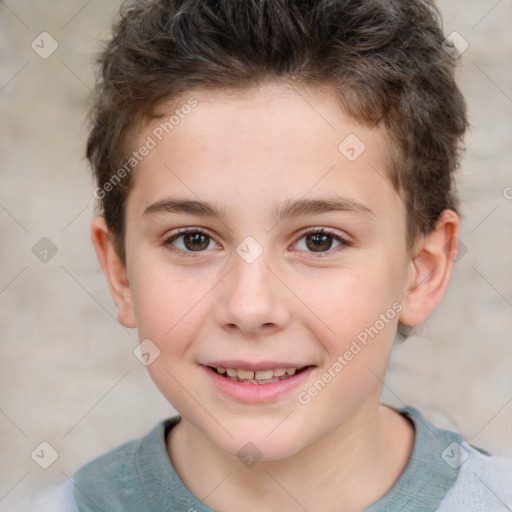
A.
pixel 276 189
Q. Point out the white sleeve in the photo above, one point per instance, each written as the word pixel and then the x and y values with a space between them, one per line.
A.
pixel 57 498
pixel 484 484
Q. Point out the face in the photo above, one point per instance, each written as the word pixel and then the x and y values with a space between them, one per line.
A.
pixel 258 240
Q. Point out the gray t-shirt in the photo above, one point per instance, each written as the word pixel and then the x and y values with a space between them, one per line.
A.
pixel 444 474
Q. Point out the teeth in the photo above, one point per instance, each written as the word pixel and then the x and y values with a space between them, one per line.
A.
pixel 245 374
pixel 263 374
pixel 260 375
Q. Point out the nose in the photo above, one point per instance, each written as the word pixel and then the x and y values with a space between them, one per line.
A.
pixel 252 300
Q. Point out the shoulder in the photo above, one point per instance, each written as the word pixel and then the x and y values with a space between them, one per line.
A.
pixel 55 498
pixel 108 482
pixel 125 477
pixel 121 462
pixel 448 474
pixel 109 465
pixel 484 482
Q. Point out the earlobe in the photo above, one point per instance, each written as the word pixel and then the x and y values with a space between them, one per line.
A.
pixel 114 270
pixel 430 269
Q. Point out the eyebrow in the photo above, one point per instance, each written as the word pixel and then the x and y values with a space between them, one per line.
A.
pixel 190 207
pixel 286 210
pixel 298 207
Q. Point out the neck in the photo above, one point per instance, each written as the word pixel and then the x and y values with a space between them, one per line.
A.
pixel 350 468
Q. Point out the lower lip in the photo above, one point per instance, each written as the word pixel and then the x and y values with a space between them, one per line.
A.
pixel 257 393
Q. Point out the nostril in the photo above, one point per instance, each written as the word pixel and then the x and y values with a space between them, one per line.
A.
pixel 252 329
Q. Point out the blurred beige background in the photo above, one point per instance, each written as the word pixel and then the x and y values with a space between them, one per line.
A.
pixel 67 371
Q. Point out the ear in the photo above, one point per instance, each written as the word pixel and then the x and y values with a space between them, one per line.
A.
pixel 114 270
pixel 430 269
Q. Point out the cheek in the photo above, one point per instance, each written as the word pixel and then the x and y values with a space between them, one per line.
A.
pixel 166 311
pixel 355 322
pixel 347 302
pixel 163 307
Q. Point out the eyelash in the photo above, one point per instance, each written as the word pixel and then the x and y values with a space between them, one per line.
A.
pixel 193 254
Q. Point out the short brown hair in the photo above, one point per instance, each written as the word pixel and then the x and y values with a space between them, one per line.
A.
pixel 384 59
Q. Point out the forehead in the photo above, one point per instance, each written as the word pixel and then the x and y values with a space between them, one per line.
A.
pixel 282 139
pixel 278 115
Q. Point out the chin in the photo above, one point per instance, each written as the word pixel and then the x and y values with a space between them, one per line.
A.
pixel 255 445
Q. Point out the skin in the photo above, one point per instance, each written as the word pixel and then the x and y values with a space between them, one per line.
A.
pixel 246 153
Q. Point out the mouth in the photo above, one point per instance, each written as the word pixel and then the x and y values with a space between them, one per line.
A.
pixel 258 377
pixel 257 383
pixel 252 382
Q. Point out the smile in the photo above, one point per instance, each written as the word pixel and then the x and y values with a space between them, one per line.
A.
pixel 262 384
pixel 257 377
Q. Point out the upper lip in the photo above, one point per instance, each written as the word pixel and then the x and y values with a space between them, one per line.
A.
pixel 254 366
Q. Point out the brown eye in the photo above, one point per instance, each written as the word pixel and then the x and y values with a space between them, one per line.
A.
pixel 196 241
pixel 188 241
pixel 318 242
